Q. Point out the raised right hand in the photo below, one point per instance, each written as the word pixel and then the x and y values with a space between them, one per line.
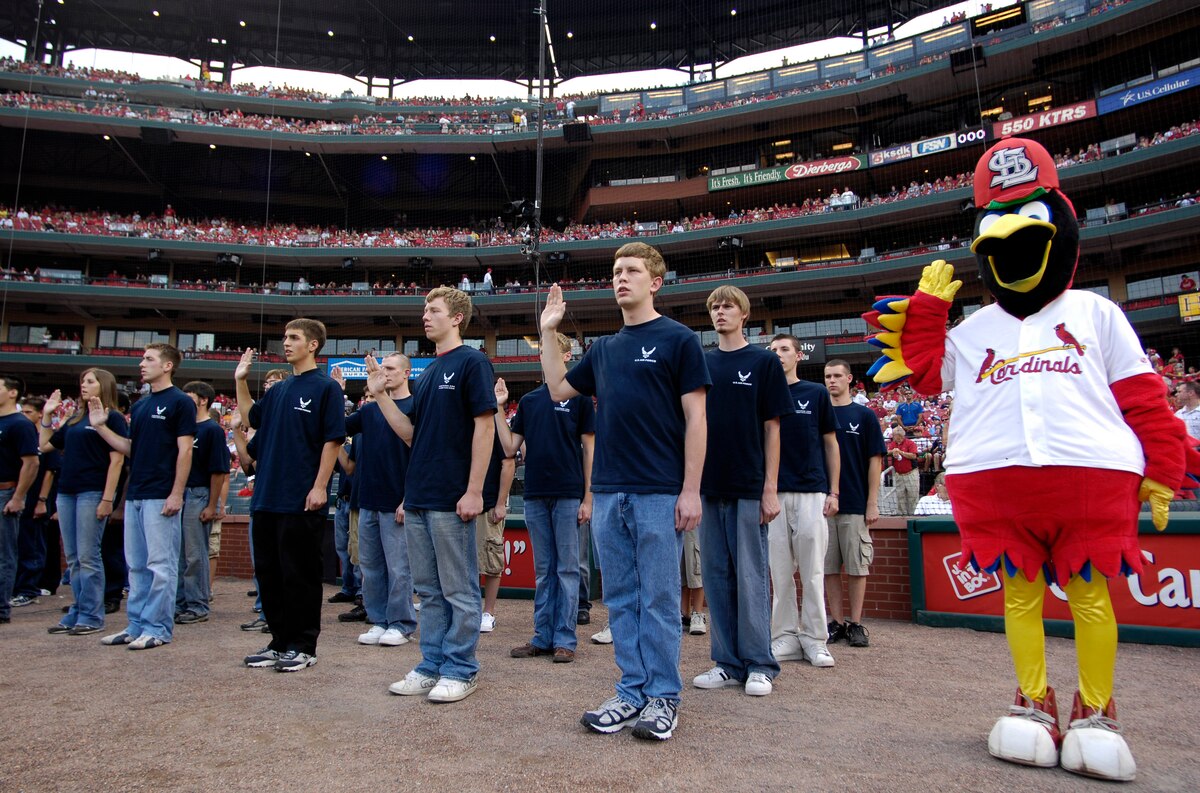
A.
pixel 242 371
pixel 501 391
pixel 53 403
pixel 376 378
pixel 555 310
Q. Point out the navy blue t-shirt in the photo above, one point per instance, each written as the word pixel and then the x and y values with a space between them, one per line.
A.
pixel 801 441
pixel 748 389
pixel 18 439
pixel 85 456
pixel 345 480
pixel 552 432
pixel 295 419
pixel 355 491
pixel 639 374
pixel 383 458
pixel 210 455
pixel 455 388
pixel 158 420
pixel 491 481
pixel 859 439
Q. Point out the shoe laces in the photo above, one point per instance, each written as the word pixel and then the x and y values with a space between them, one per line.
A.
pixel 1097 721
pixel 659 710
pixel 613 710
pixel 1029 711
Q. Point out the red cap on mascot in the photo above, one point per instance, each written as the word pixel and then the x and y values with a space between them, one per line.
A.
pixel 1011 171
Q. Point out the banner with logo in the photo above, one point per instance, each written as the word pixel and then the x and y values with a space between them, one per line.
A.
pixel 782 173
pixel 1054 117
pixel 811 351
pixel 352 368
pixel 1146 91
pixel 1165 595
pixel 923 148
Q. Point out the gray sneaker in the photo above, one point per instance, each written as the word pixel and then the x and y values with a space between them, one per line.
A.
pixel 261 659
pixel 294 661
pixel 614 715
pixel 658 721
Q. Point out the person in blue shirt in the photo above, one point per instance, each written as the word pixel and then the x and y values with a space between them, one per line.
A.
pixel 910 411
pixel 87 489
pixel 201 504
pixel 740 497
pixel 809 469
pixel 861 450
pixel 451 434
pixel 300 425
pixel 650 379
pixel 558 439
pixel 18 468
pixel 31 545
pixel 159 448
pixel 380 469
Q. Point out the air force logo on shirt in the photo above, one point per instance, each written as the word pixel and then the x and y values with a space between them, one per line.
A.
pixel 802 407
pixel 446 384
pixel 853 430
pixel 561 407
pixel 744 379
pixel 646 356
pixel 158 413
pixel 303 406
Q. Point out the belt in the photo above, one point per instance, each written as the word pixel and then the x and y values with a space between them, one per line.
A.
pixel 8 485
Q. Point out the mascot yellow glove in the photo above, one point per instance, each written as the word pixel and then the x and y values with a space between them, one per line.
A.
pixel 1159 496
pixel 937 279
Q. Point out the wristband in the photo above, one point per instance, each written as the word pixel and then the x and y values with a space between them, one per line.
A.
pixel 108 500
pixel 49 426
pixel 834 495
pixel 42 500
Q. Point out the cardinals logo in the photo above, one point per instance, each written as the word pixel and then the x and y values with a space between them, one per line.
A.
pixel 999 370
pixel 1011 167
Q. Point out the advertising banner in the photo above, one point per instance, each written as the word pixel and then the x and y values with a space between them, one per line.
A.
pixel 801 170
pixel 352 368
pixel 812 351
pixel 1165 595
pixel 1146 91
pixel 923 148
pixel 1054 117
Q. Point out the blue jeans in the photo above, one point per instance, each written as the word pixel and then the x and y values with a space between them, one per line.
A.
pixel 81 536
pixel 193 593
pixel 585 569
pixel 445 571
pixel 733 562
pixel 152 550
pixel 387 583
pixel 257 588
pixel 639 553
pixel 341 544
pixel 554 532
pixel 10 528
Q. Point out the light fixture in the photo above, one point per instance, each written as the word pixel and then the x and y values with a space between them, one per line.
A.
pixel 308 154
pixel 154 12
pixel 107 137
pixel 472 158
pixel 410 38
pixel 242 22
pixel 570 35
pixel 654 26
pixel 491 38
pixel 842 146
pixel 212 145
pixel 384 157
pixel 330 32
pixel 733 12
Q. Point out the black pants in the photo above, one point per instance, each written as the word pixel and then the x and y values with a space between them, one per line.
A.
pixel 52 568
pixel 288 565
pixel 112 552
pixel 31 556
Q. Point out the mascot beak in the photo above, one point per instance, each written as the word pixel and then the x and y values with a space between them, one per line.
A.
pixel 1014 244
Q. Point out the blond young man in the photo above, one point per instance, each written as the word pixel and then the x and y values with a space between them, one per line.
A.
pixel 451 434
pixel 650 379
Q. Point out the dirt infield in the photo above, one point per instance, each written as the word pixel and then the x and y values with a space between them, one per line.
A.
pixel 911 712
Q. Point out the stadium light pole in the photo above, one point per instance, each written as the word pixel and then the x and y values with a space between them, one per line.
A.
pixel 535 248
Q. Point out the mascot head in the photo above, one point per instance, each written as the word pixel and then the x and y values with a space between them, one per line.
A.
pixel 1026 235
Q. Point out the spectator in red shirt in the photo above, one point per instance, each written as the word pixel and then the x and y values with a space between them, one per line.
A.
pixel 901 456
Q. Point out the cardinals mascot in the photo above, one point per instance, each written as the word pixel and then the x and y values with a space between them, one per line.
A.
pixel 1060 428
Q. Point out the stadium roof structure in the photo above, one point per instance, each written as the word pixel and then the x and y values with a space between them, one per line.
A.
pixel 491 39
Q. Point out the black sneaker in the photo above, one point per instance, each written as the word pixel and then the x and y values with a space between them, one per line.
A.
pixel 584 617
pixel 83 630
pixel 356 614
pixel 342 597
pixel 614 715
pixel 837 631
pixel 189 618
pixel 253 593
pixel 856 634
pixel 254 625
pixel 294 661
pixel 112 606
pixel 262 659
pixel 658 721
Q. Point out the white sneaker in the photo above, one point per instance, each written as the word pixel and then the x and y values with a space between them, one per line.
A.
pixel 787 648
pixel 758 685
pixel 714 678
pixel 417 606
pixel 414 683
pixel 372 636
pixel 698 625
pixel 448 690
pixel 487 624
pixel 393 637
pixel 816 653
pixel 604 636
